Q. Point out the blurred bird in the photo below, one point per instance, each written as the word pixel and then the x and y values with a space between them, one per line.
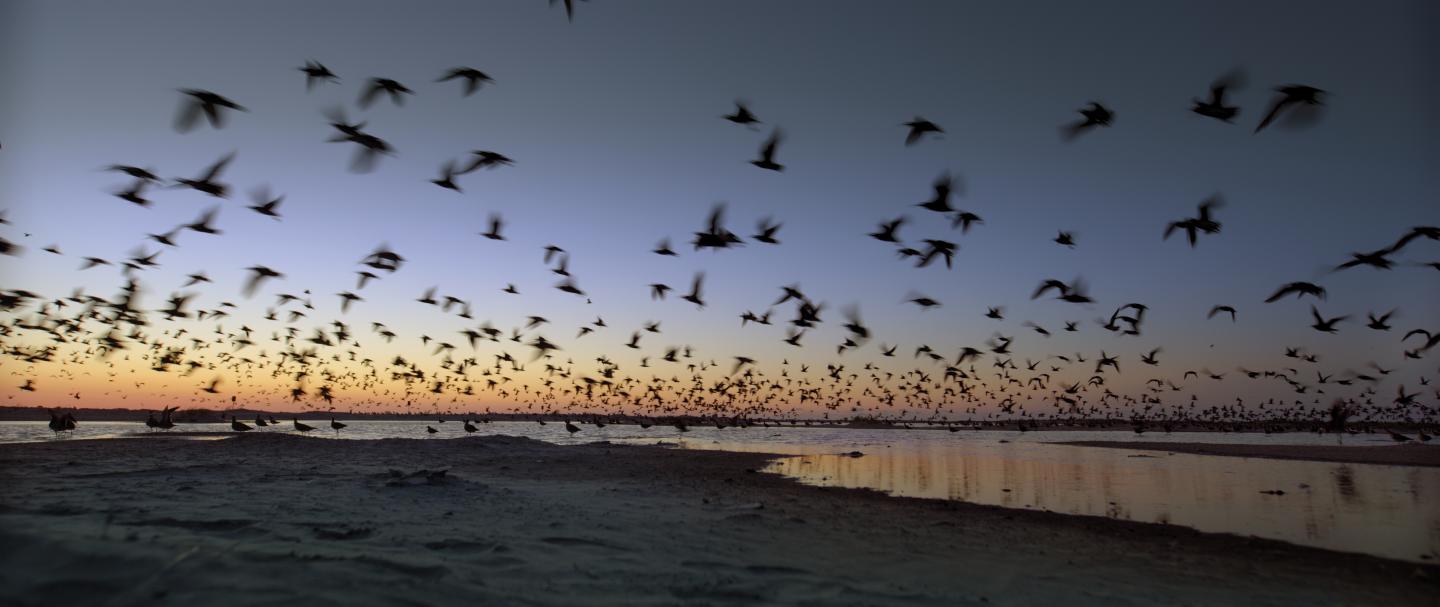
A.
pixel 1093 116
pixel 918 128
pixel 1291 96
pixel 198 102
pixel 473 78
pixel 317 72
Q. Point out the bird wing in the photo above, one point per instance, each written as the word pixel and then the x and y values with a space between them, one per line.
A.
pixel 212 113
pixel 188 115
pixel 1275 110
pixel 913 135
pixel 1281 292
pixel 215 169
pixel 368 96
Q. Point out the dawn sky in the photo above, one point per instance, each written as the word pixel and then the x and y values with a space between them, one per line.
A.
pixel 614 124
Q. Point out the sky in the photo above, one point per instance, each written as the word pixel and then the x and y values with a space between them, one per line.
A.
pixel 613 121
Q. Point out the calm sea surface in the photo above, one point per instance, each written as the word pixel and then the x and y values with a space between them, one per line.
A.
pixel 1388 511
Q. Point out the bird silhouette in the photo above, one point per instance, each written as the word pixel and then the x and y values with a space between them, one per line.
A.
pixel 1291 96
pixel 317 72
pixel 1074 292
pixel 715 236
pixel 766 231
pixel 1203 222
pixel 1299 289
pixel 1214 106
pixel 198 102
pixel 258 274
pixel 206 182
pixel 887 230
pixel 486 159
pixel 265 204
pixel 741 115
pixel 447 177
pixel 495 224
pixel 472 77
pixel 918 128
pixel 767 153
pixel 1093 116
pixel 696 286
pixel 377 86
pixel 1379 323
pixel 940 203
pixel 1218 309
pixel 1322 324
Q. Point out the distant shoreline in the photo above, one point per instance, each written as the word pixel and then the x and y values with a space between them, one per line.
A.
pixel 1409 454
pixel 184 416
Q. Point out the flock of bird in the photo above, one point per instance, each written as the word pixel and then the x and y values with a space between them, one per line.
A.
pixel 328 368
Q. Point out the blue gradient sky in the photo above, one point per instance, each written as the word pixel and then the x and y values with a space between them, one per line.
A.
pixel 613 121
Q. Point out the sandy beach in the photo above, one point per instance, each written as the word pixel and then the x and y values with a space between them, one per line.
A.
pixel 1393 455
pixel 264 519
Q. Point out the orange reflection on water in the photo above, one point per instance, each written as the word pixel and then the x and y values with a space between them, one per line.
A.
pixel 1382 510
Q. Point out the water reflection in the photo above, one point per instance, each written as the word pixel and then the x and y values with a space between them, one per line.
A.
pixel 1382 510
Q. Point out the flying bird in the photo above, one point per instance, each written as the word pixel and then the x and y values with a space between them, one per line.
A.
pixel 944 185
pixel 1214 106
pixel 1193 226
pixel 741 115
pixel 258 274
pixel 495 224
pixel 918 128
pixel 264 204
pixel 1299 289
pixel 376 86
pixel 1218 309
pixel 473 78
pixel 1291 96
pixel 767 153
pixel 1093 116
pixel 206 182
pixel 1322 324
pixel 198 102
pixel 317 72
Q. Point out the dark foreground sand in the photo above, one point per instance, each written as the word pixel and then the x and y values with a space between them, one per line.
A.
pixel 271 519
pixel 1394 455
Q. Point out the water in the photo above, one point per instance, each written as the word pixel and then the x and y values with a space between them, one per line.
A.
pixel 1387 511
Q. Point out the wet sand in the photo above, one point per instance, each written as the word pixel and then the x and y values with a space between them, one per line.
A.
pixel 286 519
pixel 1410 454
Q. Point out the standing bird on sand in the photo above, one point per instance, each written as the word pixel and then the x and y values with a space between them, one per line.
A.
pixel 571 428
pixel 469 427
pixel 301 426
pixel 336 426
pixel 238 425
pixel 62 423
